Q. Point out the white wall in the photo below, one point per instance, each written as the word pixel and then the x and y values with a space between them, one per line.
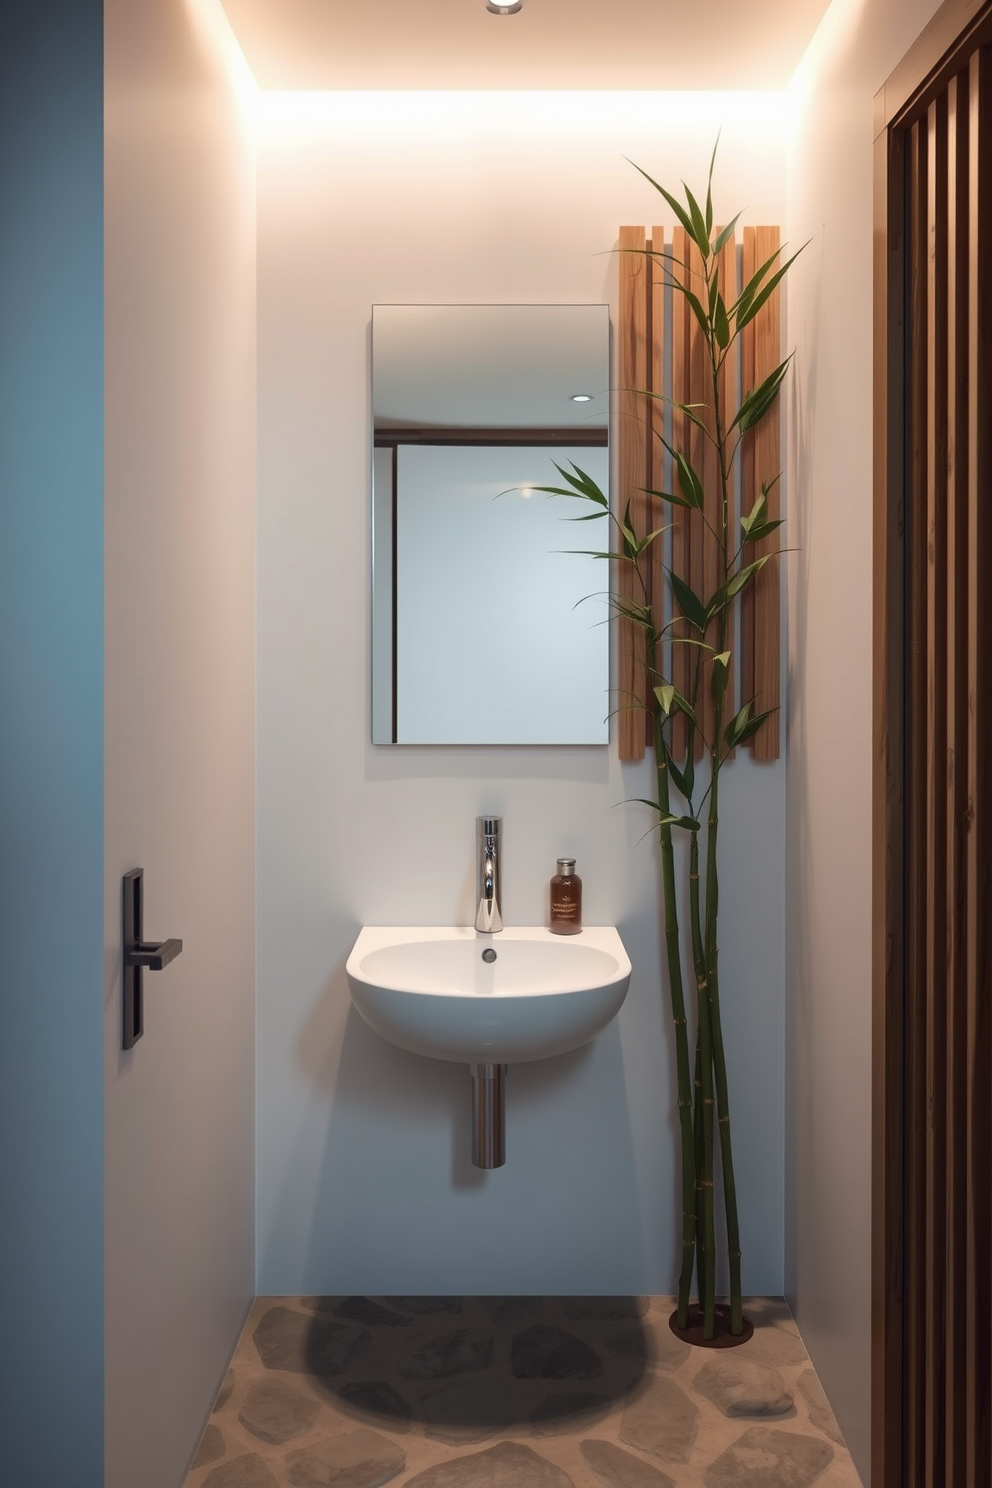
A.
pixel 51 741
pixel 364 1181
pixel 180 400
pixel 829 755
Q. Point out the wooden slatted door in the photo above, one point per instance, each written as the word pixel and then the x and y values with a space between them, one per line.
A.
pixel 933 783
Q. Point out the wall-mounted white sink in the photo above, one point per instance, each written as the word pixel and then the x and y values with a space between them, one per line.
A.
pixel 439 992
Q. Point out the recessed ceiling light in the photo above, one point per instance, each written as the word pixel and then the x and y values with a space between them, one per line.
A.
pixel 582 397
pixel 504 9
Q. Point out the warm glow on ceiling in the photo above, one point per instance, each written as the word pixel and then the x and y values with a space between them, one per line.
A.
pixel 550 44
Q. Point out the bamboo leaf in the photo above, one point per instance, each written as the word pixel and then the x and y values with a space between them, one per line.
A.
pixel 757 402
pixel 749 311
pixel 709 185
pixel 732 733
pixel 721 673
pixel 692 486
pixel 753 724
pixel 582 482
pixel 689 603
pixel 666 696
pixel 725 236
pixel 757 512
pixel 721 324
pixel 695 306
pixel 662 496
pixel 700 234
pixel 728 591
pixel 677 775
pixel 751 288
pixel 765 529
pixel 676 206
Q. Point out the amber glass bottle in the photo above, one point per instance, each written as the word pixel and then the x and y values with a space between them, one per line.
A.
pixel 566 899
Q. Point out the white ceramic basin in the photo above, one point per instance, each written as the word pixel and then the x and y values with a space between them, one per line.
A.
pixel 430 991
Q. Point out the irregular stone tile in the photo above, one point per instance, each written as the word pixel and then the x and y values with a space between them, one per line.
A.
pixel 550 1353
pixel 569 1411
pixel 302 1345
pixel 605 1309
pixel 739 1388
pixel 363 1310
pixel 619 1469
pixel 766 1458
pixel 451 1353
pixel 376 1398
pixel 504 1310
pixel 275 1412
pixel 660 1420
pixel 424 1305
pixel 507 1465
pixel 225 1392
pixel 468 1411
pixel 818 1406
pixel 356 1459
pixel 241 1472
pixel 211 1447
pixel 650 1342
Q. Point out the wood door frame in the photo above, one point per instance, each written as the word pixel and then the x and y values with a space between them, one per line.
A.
pixel 955 29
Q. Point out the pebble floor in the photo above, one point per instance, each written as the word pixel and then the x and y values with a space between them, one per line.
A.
pixel 514 1392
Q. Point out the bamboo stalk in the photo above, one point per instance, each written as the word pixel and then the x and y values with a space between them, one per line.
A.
pixel 677 993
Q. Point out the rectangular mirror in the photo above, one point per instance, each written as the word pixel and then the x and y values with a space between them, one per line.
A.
pixel 487 626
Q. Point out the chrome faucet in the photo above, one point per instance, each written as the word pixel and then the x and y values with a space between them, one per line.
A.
pixel 488 830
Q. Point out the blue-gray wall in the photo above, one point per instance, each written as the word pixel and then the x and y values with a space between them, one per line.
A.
pixel 51 741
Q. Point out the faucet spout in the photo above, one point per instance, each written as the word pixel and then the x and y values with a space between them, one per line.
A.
pixel 488 832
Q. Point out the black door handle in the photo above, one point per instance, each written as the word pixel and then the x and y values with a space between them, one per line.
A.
pixel 139 955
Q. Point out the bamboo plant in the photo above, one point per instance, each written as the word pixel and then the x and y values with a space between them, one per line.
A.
pixel 705 623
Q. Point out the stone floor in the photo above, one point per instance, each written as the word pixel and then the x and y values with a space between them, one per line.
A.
pixel 514 1392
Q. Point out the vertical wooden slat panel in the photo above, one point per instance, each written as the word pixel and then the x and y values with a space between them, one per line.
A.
pixel 957 773
pixel 656 474
pixel 768 464
pixel 916 1124
pixel 681 533
pixel 633 475
pixel 978 1284
pixel 728 405
pixel 936 771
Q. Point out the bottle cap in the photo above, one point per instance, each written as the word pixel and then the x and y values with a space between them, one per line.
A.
pixel 566 866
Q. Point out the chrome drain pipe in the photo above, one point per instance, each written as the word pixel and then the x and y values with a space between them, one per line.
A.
pixel 488 1115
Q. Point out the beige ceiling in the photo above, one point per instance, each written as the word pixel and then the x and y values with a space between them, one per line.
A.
pixel 575 44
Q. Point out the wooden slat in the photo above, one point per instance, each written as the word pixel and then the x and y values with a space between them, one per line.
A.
pixel 633 475
pixel 681 532
pixel 765 337
pixel 936 789
pixel 749 480
pixel 916 1056
pixel 657 470
pixel 729 393
pixel 700 548
pixel 978 1280
pixel 957 773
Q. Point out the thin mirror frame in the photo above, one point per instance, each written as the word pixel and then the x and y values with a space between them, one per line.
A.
pixel 473 420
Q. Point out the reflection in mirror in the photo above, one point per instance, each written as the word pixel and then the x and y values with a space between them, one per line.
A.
pixel 487 626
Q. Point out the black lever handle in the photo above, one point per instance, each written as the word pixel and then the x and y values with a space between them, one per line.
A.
pixel 139 955
pixel 153 955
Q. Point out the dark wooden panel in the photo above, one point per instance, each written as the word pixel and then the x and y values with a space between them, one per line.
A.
pixel 978 1284
pixel 936 785
pixel 957 769
pixel 700 454
pixel 632 344
pixel 916 804
pixel 888 816
pixel 729 387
